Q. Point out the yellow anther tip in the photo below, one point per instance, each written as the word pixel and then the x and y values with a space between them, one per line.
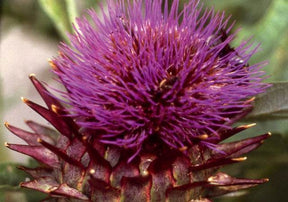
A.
pixel 239 158
pixel 24 99
pixel 32 75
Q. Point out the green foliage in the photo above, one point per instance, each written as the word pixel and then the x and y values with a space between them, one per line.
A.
pixel 62 13
pixel 273 104
pixel 10 178
pixel 271 31
pixel 267 22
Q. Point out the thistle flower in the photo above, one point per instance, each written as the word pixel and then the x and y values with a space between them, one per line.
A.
pixel 151 93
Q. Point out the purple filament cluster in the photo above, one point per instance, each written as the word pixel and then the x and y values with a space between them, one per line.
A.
pixel 143 69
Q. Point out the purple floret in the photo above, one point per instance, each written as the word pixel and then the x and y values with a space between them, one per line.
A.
pixel 142 70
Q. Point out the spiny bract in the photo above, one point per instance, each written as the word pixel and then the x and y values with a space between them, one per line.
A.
pixel 151 93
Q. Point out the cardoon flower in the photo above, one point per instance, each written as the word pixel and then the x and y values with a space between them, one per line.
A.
pixel 151 93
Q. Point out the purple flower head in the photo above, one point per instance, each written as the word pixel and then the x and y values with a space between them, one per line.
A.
pixel 144 70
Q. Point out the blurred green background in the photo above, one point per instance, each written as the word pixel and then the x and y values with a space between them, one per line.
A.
pixel 31 30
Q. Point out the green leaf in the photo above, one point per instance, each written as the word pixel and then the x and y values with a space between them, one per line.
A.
pixel 62 13
pixel 270 32
pixel 13 197
pixel 279 60
pixel 10 176
pixel 273 104
pixel 72 11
